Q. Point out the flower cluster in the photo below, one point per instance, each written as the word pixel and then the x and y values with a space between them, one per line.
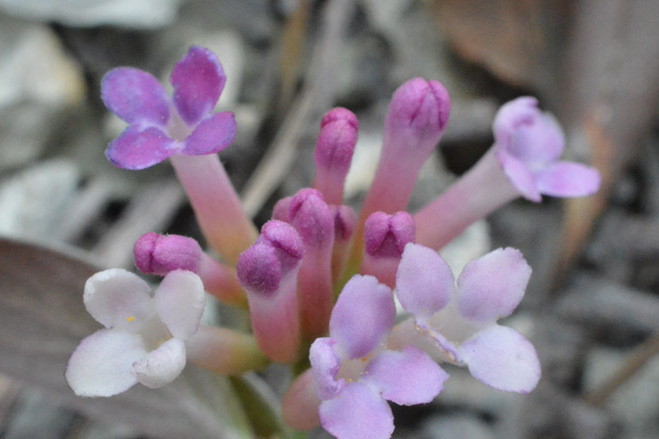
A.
pixel 319 280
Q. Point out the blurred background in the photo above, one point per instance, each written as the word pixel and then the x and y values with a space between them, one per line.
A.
pixel 592 308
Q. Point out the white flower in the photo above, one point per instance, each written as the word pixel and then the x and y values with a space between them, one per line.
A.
pixel 143 339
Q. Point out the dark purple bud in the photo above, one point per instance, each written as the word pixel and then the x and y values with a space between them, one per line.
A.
pixel 386 235
pixel 259 270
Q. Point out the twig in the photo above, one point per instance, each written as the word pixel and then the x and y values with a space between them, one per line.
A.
pixel 633 364
pixel 315 96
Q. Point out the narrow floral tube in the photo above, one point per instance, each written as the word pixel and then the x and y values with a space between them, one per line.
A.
pixel 217 207
pixel 334 150
pixel 312 218
pixel 160 254
pixel 224 351
pixel 416 119
pixel 268 271
pixel 385 237
pixel 482 190
pixel 344 226
pixel 524 161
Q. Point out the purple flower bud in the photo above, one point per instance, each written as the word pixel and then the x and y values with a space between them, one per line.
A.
pixel 312 218
pixel 286 240
pixel 259 270
pixel 282 210
pixel 417 116
pixel 418 113
pixel 386 235
pixel 334 150
pixel 160 254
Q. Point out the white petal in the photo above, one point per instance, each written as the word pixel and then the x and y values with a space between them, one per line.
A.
pixel 181 299
pixel 117 298
pixel 161 366
pixel 102 363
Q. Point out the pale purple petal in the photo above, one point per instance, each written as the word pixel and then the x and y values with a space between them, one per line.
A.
pixel 117 298
pixel 364 313
pixel 424 282
pixel 358 412
pixel 140 149
pixel 135 96
pixel 492 286
pixel 325 366
pixel 198 80
pixel 180 300
pixel 408 377
pixel 512 115
pixel 519 175
pixel 162 366
pixel 212 135
pixel 568 179
pixel 503 359
pixel 101 364
pixel 538 143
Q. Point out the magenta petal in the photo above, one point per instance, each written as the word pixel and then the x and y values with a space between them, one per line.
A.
pixel 408 377
pixel 503 359
pixel 519 174
pixel 568 179
pixel 325 367
pixel 212 135
pixel 492 286
pixel 424 282
pixel 140 149
pixel 358 412
pixel 135 96
pixel 362 316
pixel 198 80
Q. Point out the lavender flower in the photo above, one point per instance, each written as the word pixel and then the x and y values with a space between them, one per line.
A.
pixel 528 144
pixel 160 127
pixel 522 162
pixel 144 336
pixel 460 319
pixel 355 374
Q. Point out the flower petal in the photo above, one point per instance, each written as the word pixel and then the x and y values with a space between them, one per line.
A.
pixel 408 377
pixel 519 174
pixel 162 366
pixel 539 142
pixel 117 298
pixel 325 366
pixel 512 115
pixel 101 364
pixel 135 96
pixel 424 282
pixel 502 358
pixel 358 412
pixel 181 300
pixel 568 179
pixel 212 135
pixel 492 286
pixel 198 80
pixel 140 149
pixel 364 313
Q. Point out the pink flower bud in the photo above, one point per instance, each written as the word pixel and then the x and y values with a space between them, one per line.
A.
pixel 334 150
pixel 160 254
